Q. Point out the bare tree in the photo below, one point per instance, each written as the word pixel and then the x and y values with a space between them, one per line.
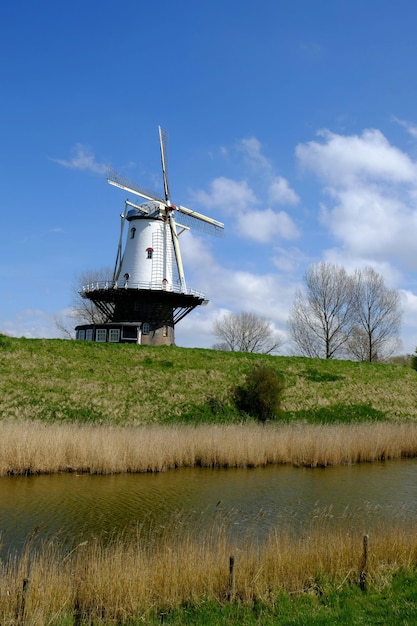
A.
pixel 85 311
pixel 246 332
pixel 378 316
pixel 82 310
pixel 320 321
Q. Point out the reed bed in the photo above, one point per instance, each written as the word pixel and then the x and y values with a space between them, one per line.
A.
pixel 127 580
pixel 28 447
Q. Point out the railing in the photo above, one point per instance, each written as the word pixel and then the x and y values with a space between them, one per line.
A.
pixel 149 286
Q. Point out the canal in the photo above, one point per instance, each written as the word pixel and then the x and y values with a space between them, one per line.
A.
pixel 77 507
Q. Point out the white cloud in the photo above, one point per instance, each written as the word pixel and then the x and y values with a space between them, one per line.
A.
pixel 252 150
pixel 268 294
pixel 267 225
pixel 409 307
pixel 197 328
pixel 409 127
pixel 344 160
pixel 372 187
pixel 369 222
pixel 279 190
pixel 196 255
pixel 281 193
pixel 237 198
pixel 226 194
pixel 82 159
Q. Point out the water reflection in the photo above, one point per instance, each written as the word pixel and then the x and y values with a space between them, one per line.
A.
pixel 78 507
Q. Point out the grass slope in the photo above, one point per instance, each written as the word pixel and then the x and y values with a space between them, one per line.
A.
pixel 58 380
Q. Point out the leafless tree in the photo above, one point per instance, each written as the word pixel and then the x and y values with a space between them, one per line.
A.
pixel 222 345
pixel 320 321
pixel 340 315
pixel 378 316
pixel 246 332
pixel 82 310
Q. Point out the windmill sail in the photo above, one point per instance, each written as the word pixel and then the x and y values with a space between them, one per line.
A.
pixel 201 222
pixel 163 139
pixel 124 183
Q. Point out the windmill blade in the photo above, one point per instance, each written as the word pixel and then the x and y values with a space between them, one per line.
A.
pixel 119 256
pixel 201 222
pixel 177 250
pixel 124 183
pixel 142 208
pixel 182 226
pixel 200 216
pixel 163 140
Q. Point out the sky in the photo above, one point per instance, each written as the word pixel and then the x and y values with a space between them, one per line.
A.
pixel 294 123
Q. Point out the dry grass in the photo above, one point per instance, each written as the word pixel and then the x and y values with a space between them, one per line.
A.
pixel 35 447
pixel 125 580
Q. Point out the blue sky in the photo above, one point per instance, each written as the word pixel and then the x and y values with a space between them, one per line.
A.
pixel 294 123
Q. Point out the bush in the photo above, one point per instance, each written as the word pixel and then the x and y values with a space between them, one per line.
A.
pixel 261 394
pixel 414 360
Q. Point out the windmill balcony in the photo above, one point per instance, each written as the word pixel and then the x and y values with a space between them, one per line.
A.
pixel 127 284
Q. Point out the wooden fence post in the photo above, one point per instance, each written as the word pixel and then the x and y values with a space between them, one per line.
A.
pixel 21 610
pixel 231 590
pixel 364 566
pixel 77 612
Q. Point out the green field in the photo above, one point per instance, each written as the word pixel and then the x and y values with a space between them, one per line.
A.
pixel 395 605
pixel 66 381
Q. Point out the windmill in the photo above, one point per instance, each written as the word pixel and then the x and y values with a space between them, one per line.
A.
pixel 147 294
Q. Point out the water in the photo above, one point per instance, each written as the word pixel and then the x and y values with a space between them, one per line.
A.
pixel 76 507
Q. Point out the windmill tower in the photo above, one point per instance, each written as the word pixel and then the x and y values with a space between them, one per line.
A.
pixel 147 294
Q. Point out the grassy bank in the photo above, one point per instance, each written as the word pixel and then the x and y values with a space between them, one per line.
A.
pixel 68 381
pixel 186 579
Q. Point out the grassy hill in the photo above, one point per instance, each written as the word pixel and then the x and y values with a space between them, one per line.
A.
pixel 58 380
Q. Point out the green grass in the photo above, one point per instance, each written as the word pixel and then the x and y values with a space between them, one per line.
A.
pixel 340 414
pixel 65 381
pixel 393 605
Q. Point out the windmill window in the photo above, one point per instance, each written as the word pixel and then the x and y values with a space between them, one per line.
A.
pixel 89 334
pixel 101 334
pixel 132 232
pixel 145 328
pixel 129 332
pixel 149 252
pixel 114 335
pixel 80 334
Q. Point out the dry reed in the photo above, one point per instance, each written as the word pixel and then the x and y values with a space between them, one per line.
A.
pixel 128 579
pixel 35 447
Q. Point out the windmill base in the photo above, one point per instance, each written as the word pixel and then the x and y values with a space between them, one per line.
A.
pixel 143 316
pixel 126 332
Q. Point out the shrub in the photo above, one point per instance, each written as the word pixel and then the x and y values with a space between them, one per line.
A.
pixel 261 393
pixel 414 360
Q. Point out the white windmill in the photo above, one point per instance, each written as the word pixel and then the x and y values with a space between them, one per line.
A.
pixel 147 294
